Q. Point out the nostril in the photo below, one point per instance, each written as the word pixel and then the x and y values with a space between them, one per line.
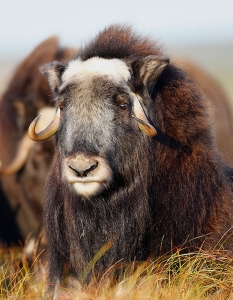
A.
pixel 75 170
pixel 83 171
pixel 91 168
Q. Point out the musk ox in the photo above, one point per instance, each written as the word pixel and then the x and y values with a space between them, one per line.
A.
pixel 21 198
pixel 25 164
pixel 135 163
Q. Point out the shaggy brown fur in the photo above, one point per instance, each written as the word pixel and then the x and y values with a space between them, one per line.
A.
pixel 22 193
pixel 168 191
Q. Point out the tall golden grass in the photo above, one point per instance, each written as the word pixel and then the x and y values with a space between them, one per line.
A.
pixel 178 276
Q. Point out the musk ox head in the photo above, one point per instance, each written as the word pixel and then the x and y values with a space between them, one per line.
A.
pixel 101 105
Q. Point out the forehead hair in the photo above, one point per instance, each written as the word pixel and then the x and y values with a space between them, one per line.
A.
pixel 114 68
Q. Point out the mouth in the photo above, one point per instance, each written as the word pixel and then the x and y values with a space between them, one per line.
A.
pixel 74 180
pixel 87 187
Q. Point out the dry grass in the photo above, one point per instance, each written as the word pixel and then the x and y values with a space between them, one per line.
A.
pixel 192 276
pixel 20 278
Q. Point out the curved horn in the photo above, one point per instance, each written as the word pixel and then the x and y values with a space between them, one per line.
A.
pixel 141 118
pixel 145 127
pixel 23 151
pixel 47 132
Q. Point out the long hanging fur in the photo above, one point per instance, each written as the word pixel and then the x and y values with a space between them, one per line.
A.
pixel 174 191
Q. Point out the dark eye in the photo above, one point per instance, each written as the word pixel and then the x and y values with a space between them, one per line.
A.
pixel 124 106
pixel 61 106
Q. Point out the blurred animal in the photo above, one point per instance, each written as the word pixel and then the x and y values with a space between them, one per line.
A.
pixel 25 164
pixel 222 115
pixel 135 163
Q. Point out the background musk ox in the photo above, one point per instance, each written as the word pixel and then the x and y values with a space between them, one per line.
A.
pixel 222 115
pixel 135 160
pixel 25 164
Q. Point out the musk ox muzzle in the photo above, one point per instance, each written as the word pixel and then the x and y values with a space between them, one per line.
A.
pixel 88 175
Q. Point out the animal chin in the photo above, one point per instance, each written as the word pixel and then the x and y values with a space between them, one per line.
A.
pixel 88 189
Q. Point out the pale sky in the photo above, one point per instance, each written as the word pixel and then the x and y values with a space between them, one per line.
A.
pixel 25 23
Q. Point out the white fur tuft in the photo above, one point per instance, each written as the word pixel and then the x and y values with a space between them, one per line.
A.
pixel 96 66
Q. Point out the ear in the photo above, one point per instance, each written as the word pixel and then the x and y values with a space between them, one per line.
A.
pixel 53 71
pixel 151 67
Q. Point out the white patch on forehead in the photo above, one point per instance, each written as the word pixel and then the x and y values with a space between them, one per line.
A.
pixel 96 66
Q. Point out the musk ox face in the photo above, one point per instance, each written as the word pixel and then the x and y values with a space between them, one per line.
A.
pixel 97 119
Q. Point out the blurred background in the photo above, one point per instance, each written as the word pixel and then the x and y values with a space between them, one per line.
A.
pixel 198 30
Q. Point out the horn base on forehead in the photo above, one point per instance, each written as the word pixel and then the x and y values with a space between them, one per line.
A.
pixel 47 132
pixel 78 69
